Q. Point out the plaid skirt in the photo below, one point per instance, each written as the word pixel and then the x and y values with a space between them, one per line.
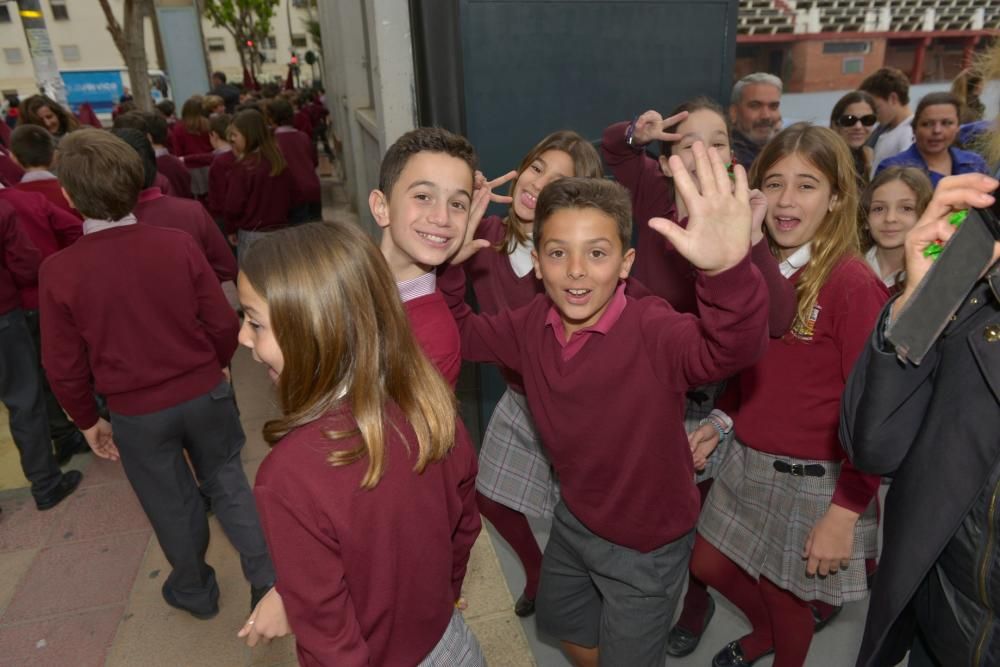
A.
pixel 513 469
pixel 458 647
pixel 760 519
pixel 698 405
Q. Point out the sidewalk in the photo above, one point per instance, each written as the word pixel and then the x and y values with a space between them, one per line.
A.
pixel 80 584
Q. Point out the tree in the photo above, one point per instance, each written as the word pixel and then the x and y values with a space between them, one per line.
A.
pixel 248 21
pixel 130 38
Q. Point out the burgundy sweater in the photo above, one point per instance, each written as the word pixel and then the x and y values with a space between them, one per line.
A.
pixel 367 577
pixel 50 229
pixel 789 402
pixel 255 200
pixel 218 182
pixel 154 208
pixel 10 171
pixel 612 416
pixel 149 327
pixel 175 172
pixel 51 190
pixel 19 260
pixel 658 265
pixel 300 154
pixel 436 333
pixel 188 143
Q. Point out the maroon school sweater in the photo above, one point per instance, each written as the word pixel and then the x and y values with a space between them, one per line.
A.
pixel 658 265
pixel 367 577
pixel 789 402
pixel 302 122
pixel 436 333
pixel 10 171
pixel 19 260
pixel 175 172
pixel 299 152
pixel 218 182
pixel 50 229
pixel 612 416
pixel 256 200
pixel 154 208
pixel 149 327
pixel 184 142
pixel 51 190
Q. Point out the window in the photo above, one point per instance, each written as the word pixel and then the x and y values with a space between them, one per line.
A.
pixel 300 41
pixel 4 14
pixel 13 56
pixel 833 48
pixel 852 66
pixel 269 42
pixel 216 44
pixel 59 11
pixel 70 52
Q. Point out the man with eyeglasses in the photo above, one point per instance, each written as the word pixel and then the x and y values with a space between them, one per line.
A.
pixel 891 90
pixel 755 115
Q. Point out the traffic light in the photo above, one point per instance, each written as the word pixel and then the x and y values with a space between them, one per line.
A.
pixel 250 43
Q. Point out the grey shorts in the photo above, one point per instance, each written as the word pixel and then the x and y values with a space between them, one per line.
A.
pixel 597 593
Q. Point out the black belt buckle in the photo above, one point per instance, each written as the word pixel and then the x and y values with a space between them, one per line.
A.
pixel 800 469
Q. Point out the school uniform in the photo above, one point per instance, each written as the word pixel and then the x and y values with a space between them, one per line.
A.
pixel 786 465
pixel 10 171
pixel 302 122
pixel 186 143
pixel 432 324
pixel 20 375
pixel 46 184
pixel 300 155
pixel 256 202
pixel 154 208
pixel 175 172
pixel 962 162
pixel 583 395
pixel 890 281
pixel 151 330
pixel 163 184
pixel 370 576
pixel 221 167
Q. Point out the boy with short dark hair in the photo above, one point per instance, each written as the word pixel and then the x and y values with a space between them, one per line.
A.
pixel 302 158
pixel 422 205
pixel 33 148
pixel 167 164
pixel 152 331
pixel 605 377
pixel 891 89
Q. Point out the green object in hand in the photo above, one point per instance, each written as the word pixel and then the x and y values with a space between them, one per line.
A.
pixel 955 219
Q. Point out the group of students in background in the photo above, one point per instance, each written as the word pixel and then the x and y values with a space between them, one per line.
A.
pixel 673 392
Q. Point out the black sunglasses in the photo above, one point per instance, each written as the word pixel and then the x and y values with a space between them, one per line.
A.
pixel 847 120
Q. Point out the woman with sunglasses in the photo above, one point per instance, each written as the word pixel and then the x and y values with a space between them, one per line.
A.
pixel 853 118
pixel 935 129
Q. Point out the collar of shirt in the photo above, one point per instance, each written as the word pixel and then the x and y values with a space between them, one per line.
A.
pixel 220 151
pixel 603 325
pixel 90 225
pixel 520 259
pixel 39 175
pixel 872 258
pixel 160 151
pixel 417 287
pixel 149 194
pixel 795 261
pixel 284 129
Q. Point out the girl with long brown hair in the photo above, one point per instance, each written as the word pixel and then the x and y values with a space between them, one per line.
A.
pixel 892 204
pixel 367 498
pixel 43 111
pixel 258 197
pixel 786 505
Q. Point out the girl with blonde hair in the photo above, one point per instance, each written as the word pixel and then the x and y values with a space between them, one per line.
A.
pixel 368 496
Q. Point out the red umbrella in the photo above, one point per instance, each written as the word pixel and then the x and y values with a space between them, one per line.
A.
pixel 87 116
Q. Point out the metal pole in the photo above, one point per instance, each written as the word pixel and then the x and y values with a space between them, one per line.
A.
pixel 42 56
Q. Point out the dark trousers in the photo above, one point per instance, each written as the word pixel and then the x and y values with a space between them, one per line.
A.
pixel 61 429
pixel 21 392
pixel 151 448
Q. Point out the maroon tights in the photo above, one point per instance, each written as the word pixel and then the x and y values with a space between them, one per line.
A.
pixel 513 527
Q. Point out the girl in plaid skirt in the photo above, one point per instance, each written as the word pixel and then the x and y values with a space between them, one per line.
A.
pixel 515 477
pixel 789 521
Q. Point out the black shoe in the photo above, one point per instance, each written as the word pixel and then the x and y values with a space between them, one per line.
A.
pixel 257 593
pixel 681 641
pixel 67 449
pixel 168 596
pixel 823 622
pixel 67 485
pixel 524 607
pixel 732 656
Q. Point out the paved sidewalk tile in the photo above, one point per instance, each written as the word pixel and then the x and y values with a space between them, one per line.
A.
pixel 97 511
pixel 13 566
pixel 80 640
pixel 79 575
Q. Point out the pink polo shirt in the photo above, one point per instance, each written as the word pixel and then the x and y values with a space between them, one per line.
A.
pixel 603 325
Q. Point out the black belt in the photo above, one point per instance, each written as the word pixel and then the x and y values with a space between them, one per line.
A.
pixel 799 469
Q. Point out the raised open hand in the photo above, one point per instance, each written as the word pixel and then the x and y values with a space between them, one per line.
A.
pixel 482 195
pixel 717 236
pixel 651 126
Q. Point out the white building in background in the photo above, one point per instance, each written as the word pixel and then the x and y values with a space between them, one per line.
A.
pixel 80 39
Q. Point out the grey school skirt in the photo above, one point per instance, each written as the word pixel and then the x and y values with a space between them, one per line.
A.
pixel 513 469
pixel 458 647
pixel 760 519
